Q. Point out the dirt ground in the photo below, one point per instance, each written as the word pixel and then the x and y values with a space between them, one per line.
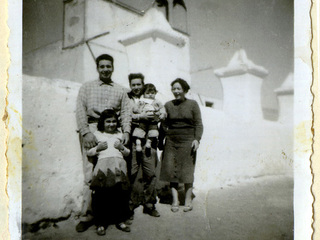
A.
pixel 260 208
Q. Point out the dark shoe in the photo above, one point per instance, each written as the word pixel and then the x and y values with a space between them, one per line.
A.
pixel 151 211
pixel 83 226
pixel 123 227
pixel 148 152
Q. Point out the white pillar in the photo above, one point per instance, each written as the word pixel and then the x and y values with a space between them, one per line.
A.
pixel 157 51
pixel 241 82
pixel 285 98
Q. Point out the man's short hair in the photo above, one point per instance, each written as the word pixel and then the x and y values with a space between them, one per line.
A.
pixel 104 57
pixel 136 75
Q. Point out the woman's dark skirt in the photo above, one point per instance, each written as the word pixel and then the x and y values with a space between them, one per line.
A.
pixel 179 160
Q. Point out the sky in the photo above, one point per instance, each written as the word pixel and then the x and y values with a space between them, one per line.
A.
pixel 264 29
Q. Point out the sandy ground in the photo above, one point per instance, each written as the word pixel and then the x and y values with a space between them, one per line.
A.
pixel 260 208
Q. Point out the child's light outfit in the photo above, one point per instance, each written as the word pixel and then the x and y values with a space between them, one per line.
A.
pixel 111 168
pixel 149 127
pixel 110 184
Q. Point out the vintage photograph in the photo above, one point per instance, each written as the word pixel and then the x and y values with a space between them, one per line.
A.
pixel 163 119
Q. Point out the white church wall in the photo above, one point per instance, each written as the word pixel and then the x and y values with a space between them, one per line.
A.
pixel 156 50
pixel 103 16
pixel 52 165
pixel 242 96
pixel 52 61
pixel 231 150
pixel 286 109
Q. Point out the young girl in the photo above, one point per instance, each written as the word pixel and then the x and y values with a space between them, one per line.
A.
pixel 110 186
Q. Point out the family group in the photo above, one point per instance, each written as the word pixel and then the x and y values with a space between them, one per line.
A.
pixel 120 133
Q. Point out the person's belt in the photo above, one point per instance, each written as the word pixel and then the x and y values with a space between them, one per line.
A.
pixel 93 120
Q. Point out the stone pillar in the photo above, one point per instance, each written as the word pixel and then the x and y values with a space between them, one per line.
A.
pixel 156 50
pixel 285 98
pixel 241 82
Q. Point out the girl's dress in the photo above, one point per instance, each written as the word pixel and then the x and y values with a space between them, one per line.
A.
pixel 183 125
pixel 110 185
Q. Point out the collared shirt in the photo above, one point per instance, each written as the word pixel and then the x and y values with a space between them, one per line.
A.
pixel 96 96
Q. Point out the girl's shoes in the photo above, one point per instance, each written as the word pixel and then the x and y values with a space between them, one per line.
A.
pixel 188 208
pixel 175 208
pixel 101 231
pixel 123 227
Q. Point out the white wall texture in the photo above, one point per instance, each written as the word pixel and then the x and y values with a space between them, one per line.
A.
pixel 230 151
pixel 52 166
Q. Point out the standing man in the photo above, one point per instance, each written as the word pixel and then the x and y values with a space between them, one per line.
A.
pixel 93 98
pixel 143 192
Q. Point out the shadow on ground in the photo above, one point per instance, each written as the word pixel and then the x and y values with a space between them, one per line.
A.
pixel 260 208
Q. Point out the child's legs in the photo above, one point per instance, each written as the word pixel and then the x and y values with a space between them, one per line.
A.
pixel 153 130
pixel 100 204
pixel 138 133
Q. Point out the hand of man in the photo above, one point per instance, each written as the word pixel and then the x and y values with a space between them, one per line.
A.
pixel 195 145
pixel 125 138
pixel 102 146
pixel 118 145
pixel 94 113
pixel 89 140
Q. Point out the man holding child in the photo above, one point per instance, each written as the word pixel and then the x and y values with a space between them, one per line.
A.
pixel 143 184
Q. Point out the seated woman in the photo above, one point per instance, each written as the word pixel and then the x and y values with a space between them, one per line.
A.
pixel 183 130
pixel 110 185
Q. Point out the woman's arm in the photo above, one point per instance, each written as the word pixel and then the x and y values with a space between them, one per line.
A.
pixel 198 126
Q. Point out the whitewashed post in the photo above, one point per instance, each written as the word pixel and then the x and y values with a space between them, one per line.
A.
pixel 285 98
pixel 241 82
pixel 156 50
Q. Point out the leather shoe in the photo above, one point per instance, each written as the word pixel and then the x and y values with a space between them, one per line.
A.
pixel 83 226
pixel 151 211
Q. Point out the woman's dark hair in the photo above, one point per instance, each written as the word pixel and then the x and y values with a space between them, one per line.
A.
pixel 136 75
pixel 149 87
pixel 104 57
pixel 185 86
pixel 108 113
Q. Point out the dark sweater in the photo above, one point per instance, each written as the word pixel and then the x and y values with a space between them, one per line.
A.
pixel 184 115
